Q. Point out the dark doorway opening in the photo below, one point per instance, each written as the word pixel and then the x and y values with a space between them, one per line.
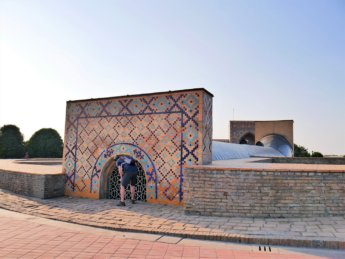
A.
pixel 248 139
pixel 114 185
pixel 259 143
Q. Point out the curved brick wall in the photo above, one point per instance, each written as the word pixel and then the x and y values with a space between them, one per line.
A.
pixel 248 193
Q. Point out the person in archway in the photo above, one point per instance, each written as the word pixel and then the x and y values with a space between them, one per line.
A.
pixel 128 174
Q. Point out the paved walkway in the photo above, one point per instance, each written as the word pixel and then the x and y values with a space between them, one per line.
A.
pixel 166 220
pixel 24 236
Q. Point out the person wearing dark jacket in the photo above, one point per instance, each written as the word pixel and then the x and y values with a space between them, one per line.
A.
pixel 128 174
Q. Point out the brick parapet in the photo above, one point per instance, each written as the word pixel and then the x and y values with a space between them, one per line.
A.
pixel 309 160
pixel 35 185
pixel 260 193
pixel 256 169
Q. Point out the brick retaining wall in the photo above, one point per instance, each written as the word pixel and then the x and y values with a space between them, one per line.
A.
pixel 244 193
pixel 35 185
pixel 309 160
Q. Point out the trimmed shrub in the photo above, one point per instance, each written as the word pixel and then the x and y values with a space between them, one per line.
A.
pixel 300 151
pixel 45 143
pixel 316 154
pixel 11 142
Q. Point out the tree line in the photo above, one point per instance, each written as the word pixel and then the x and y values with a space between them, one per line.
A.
pixel 300 151
pixel 43 143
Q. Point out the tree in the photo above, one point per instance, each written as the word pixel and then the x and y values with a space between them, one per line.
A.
pixel 316 154
pixel 300 151
pixel 45 143
pixel 11 142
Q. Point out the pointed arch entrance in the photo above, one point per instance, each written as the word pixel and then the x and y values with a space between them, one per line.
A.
pixel 113 188
pixel 105 164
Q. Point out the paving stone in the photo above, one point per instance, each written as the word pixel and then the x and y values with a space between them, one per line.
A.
pixel 169 239
pixel 166 220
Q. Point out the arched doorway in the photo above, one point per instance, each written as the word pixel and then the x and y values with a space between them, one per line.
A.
pixel 105 167
pixel 113 190
pixel 279 143
pixel 248 139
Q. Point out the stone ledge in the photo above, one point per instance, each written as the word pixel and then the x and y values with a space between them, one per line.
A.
pixel 254 169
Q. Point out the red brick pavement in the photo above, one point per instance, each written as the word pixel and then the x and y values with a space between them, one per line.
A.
pixel 32 237
pixel 328 232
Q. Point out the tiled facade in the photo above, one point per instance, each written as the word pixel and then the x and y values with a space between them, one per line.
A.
pixel 163 131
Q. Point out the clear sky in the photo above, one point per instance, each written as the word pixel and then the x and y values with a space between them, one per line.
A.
pixel 265 60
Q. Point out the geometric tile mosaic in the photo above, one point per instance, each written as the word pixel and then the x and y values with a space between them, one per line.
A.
pixel 163 131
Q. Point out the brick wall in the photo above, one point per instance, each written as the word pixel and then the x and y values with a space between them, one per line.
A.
pixel 239 128
pixel 235 193
pixel 261 129
pixel 310 160
pixel 280 127
pixel 35 185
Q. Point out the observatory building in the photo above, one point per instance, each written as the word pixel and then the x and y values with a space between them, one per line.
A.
pixel 165 132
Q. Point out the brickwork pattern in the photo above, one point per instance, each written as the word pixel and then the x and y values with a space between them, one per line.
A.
pixel 309 160
pixel 165 132
pixel 239 128
pixel 34 185
pixel 274 194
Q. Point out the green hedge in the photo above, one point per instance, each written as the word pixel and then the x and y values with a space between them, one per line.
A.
pixel 45 143
pixel 11 142
pixel 300 151
pixel 316 154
